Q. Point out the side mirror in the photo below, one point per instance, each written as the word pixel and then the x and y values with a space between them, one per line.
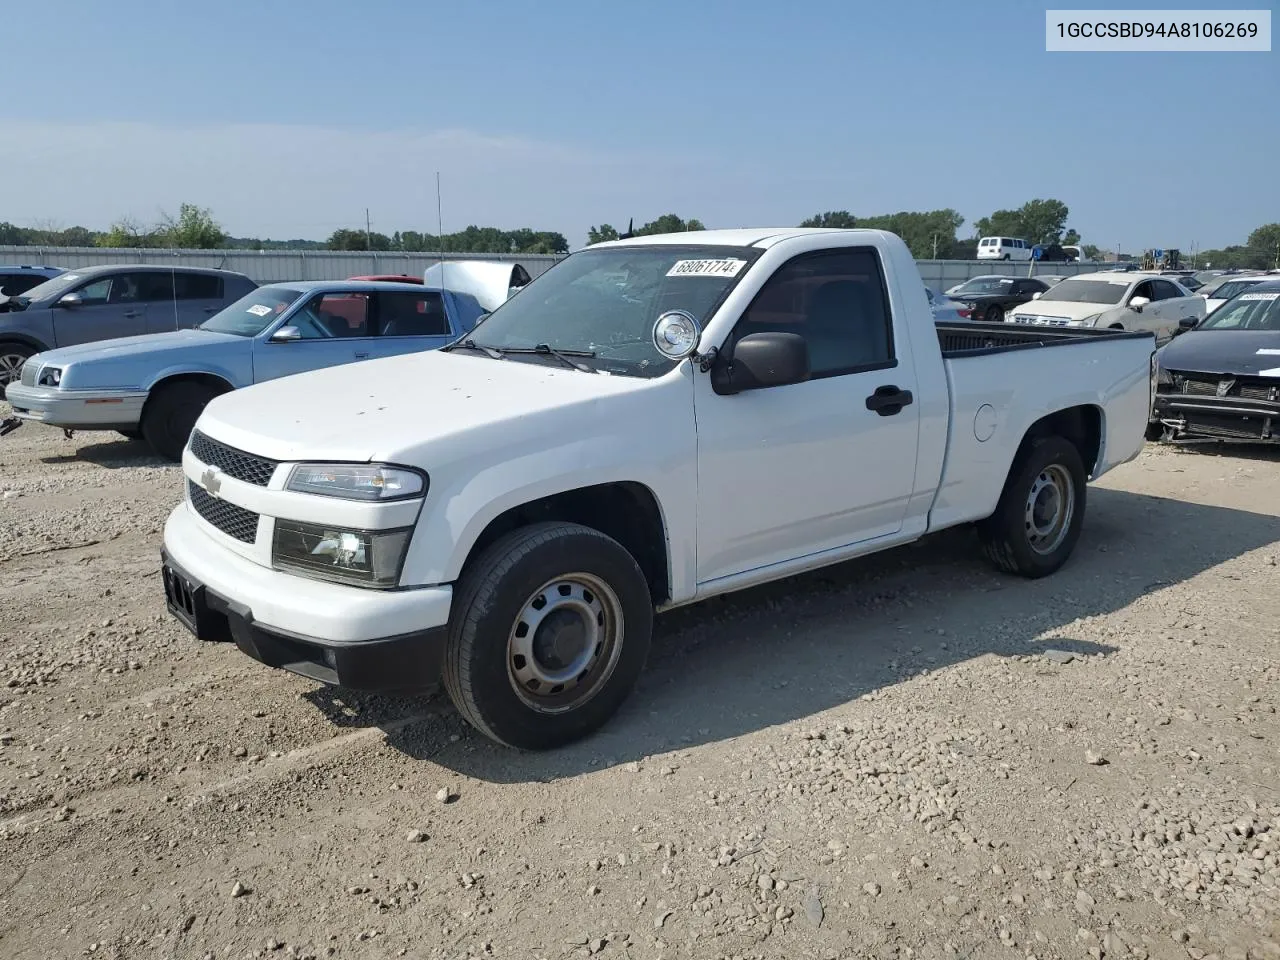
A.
pixel 1185 324
pixel 286 335
pixel 72 299
pixel 762 360
pixel 1037 295
pixel 1137 303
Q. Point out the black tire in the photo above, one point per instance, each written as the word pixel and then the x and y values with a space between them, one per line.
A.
pixel 1009 535
pixel 171 413
pixel 130 434
pixel 1155 431
pixel 994 314
pixel 1005 257
pixel 491 602
pixel 12 356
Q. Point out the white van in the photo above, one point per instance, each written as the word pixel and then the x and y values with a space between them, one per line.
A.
pixel 1003 248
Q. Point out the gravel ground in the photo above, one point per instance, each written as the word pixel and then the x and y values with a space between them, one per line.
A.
pixel 906 756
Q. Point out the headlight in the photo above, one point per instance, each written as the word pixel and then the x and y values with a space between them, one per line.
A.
pixel 1090 321
pixel 1162 375
pixel 50 377
pixel 351 481
pixel 363 558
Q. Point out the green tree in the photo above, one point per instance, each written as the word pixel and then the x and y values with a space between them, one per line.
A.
pixel 601 234
pixel 192 229
pixel 1266 240
pixel 345 239
pixel 841 219
pixel 668 223
pixel 1071 237
pixel 127 232
pixel 1091 252
pixel 1037 221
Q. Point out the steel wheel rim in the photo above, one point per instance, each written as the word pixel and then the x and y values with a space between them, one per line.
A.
pixel 10 367
pixel 565 642
pixel 1050 507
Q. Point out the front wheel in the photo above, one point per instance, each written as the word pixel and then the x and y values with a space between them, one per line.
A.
pixel 1041 510
pixel 549 632
pixel 171 414
pixel 12 357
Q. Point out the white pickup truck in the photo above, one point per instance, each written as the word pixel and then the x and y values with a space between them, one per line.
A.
pixel 652 422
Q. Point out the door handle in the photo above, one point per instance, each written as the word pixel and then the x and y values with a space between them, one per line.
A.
pixel 211 309
pixel 134 313
pixel 362 356
pixel 888 400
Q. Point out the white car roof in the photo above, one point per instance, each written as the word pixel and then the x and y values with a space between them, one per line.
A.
pixel 744 237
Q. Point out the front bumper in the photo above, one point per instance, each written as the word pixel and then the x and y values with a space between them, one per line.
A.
pixel 1228 418
pixel 373 640
pixel 76 409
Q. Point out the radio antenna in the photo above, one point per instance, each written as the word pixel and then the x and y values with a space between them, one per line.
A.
pixel 440 231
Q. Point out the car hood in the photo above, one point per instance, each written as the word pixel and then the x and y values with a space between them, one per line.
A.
pixel 149 344
pixel 388 409
pixel 1242 352
pixel 1062 308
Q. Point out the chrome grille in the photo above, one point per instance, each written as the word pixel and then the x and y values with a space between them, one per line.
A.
pixel 247 467
pixel 234 521
pixel 29 371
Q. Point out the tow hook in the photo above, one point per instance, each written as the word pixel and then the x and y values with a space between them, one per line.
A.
pixel 68 434
pixel 9 424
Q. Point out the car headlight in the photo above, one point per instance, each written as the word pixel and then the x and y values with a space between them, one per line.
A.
pixel 1162 375
pixel 50 377
pixel 357 481
pixel 1090 321
pixel 366 558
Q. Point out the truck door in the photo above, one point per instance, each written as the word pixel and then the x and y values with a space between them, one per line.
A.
pixel 788 471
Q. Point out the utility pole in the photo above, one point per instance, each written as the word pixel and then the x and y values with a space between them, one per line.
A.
pixel 368 232
pixel 935 246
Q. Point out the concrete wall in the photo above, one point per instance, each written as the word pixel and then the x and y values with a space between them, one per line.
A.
pixel 269 266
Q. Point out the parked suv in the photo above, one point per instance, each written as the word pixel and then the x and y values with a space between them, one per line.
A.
pixel 16 279
pixel 1003 248
pixel 100 303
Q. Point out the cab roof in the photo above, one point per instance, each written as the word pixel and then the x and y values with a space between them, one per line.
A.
pixel 762 237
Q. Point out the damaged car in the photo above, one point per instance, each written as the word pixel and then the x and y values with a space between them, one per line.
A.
pixel 1220 378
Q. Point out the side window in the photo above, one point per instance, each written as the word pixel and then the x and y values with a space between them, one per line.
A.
pixel 151 286
pixel 1143 290
pixel 12 284
pixel 333 315
pixel 835 299
pixel 1166 290
pixel 97 291
pixel 197 286
pixel 411 315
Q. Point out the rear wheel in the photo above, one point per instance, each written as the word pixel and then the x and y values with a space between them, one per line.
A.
pixel 171 414
pixel 12 357
pixel 550 630
pixel 994 314
pixel 129 434
pixel 1041 510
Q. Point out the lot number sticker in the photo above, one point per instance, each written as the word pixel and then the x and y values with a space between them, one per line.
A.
pixel 258 310
pixel 706 268
pixel 1260 296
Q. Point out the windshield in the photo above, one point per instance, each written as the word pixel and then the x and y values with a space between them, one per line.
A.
pixel 1073 290
pixel 606 301
pixel 253 312
pixel 983 285
pixel 1230 288
pixel 51 288
pixel 1248 311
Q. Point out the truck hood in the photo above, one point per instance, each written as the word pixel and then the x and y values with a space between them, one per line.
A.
pixel 388 409
pixel 149 344
pixel 1223 351
pixel 1062 308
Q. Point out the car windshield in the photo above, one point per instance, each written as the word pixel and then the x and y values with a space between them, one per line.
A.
pixel 1259 310
pixel 253 312
pixel 605 302
pixel 51 288
pixel 1075 290
pixel 1230 288
pixel 981 285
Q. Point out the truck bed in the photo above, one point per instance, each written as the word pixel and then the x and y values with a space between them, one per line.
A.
pixel 978 338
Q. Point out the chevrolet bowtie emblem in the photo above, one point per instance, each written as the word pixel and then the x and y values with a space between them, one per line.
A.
pixel 211 480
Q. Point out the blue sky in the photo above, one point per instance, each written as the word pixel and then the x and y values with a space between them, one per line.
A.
pixel 290 118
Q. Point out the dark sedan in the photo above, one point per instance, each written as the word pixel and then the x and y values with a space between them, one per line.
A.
pixel 990 297
pixel 1221 379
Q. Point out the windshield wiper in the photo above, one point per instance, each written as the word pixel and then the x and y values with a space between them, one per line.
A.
pixel 470 344
pixel 545 349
